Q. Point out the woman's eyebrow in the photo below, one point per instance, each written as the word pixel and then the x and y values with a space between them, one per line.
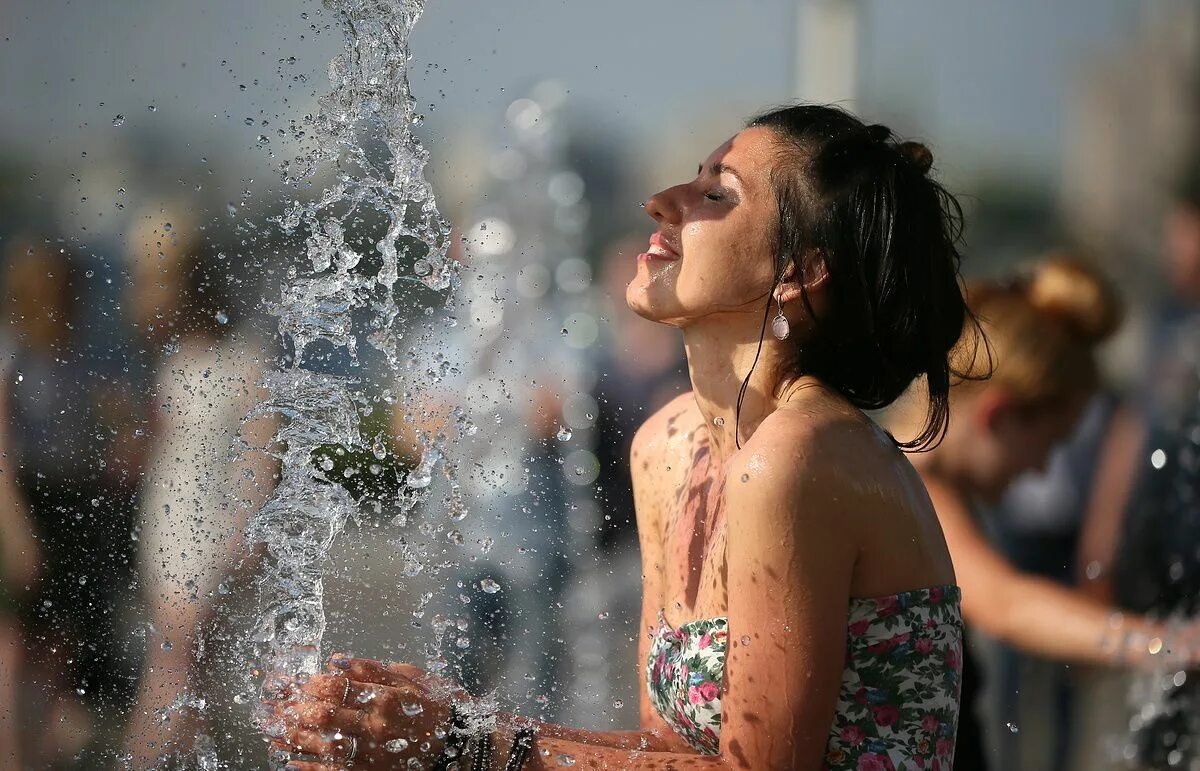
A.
pixel 718 168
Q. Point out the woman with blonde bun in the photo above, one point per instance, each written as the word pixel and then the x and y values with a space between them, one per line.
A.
pixel 1030 369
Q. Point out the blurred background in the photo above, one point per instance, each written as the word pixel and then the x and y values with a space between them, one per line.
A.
pixel 140 154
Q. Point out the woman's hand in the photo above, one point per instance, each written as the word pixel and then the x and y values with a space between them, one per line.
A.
pixel 363 715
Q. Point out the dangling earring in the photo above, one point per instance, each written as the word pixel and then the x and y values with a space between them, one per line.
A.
pixel 779 325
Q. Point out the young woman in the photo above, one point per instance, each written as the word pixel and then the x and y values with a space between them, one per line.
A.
pixel 800 605
pixel 1041 332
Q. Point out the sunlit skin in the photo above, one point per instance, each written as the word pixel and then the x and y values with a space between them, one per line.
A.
pixel 991 441
pixel 816 506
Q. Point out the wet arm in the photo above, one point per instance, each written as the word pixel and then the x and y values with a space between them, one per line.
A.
pixel 1034 614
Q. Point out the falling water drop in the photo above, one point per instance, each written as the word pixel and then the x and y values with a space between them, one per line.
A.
pixel 489 586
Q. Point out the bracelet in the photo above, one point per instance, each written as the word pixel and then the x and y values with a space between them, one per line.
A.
pixel 455 741
pixel 521 747
pixel 481 755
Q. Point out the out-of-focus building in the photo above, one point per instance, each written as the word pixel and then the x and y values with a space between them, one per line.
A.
pixel 1131 128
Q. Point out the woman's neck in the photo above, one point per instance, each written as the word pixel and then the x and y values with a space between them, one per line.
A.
pixel 719 355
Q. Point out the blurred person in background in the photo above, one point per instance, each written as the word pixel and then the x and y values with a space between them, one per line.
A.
pixel 1028 381
pixel 206 473
pixel 19 568
pixel 1037 526
pixel 59 450
pixel 1140 546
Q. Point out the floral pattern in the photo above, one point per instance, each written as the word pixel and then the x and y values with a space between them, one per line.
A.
pixel 898 703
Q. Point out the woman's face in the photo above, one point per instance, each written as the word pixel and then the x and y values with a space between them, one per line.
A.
pixel 712 252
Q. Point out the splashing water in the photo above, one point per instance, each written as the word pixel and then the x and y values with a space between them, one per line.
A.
pixel 341 293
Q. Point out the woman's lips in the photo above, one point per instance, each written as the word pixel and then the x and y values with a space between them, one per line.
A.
pixel 659 249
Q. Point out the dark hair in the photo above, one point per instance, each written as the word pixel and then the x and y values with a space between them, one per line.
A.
pixel 861 202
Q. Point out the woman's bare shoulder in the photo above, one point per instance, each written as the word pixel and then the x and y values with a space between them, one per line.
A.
pixel 822 453
pixel 661 456
pixel 667 430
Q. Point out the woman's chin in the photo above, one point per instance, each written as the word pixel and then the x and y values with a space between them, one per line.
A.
pixel 641 300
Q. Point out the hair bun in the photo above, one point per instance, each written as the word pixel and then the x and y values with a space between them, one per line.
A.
pixel 918 155
pixel 1068 290
pixel 879 132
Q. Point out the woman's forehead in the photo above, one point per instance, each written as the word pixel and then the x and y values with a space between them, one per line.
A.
pixel 749 152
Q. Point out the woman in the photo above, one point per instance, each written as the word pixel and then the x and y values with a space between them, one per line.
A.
pixel 200 484
pixel 819 628
pixel 1041 332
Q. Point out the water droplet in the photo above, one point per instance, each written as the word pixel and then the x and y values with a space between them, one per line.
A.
pixel 1158 459
pixel 566 760
pixel 412 708
pixel 222 318
pixel 564 434
pixel 618 703
pixel 396 745
pixel 167 645
pixel 745 639
pixel 603 615
pixel 489 586
pixel 152 108
pixel 1012 728
pixel 718 421
pixel 263 139
pixel 118 119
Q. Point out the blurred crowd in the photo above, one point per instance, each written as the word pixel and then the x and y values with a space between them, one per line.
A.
pixel 1069 493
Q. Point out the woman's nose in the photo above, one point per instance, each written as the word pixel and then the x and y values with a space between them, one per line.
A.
pixel 663 207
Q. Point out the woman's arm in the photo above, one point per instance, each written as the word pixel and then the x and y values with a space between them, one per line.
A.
pixel 1029 612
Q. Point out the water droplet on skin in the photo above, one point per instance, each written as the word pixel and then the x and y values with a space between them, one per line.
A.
pixel 566 760
pixel 745 639
pixel 489 586
pixel 718 421
pixel 396 745
pixel 167 645
pixel 412 709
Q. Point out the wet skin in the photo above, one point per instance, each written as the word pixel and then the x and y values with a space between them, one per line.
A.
pixel 815 507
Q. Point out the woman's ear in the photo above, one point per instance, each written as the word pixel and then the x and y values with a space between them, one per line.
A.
pixel 812 278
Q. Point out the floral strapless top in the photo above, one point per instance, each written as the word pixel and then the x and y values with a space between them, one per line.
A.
pixel 897 708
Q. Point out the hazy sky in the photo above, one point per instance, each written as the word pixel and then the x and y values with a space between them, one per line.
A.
pixel 982 80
